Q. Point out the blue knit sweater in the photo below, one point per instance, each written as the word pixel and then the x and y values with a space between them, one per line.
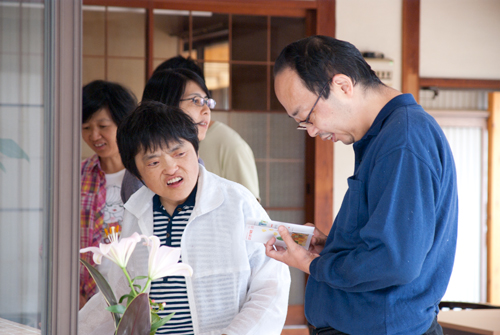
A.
pixel 389 255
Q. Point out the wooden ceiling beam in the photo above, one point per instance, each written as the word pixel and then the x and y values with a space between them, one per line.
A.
pixel 243 7
pixel 476 84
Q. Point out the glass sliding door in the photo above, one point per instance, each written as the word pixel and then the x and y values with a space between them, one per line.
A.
pixel 21 162
pixel 40 85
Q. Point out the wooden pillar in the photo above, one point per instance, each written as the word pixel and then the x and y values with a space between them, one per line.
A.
pixel 493 210
pixel 319 154
pixel 326 18
pixel 149 42
pixel 411 48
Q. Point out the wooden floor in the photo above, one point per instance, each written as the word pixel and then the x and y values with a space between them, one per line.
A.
pixel 295 331
pixel 295 323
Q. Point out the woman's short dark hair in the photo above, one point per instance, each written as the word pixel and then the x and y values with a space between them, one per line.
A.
pixel 104 94
pixel 152 126
pixel 168 86
pixel 316 59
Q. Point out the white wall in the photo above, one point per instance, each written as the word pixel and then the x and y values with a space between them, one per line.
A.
pixel 460 38
pixel 370 26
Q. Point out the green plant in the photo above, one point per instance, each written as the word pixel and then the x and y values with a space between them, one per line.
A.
pixel 11 149
pixel 139 314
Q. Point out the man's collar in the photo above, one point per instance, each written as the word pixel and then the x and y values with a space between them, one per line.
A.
pixel 402 99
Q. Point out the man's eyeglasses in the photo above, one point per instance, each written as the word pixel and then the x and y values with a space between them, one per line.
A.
pixel 304 124
pixel 199 101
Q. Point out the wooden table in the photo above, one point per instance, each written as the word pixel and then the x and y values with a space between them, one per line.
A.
pixel 471 321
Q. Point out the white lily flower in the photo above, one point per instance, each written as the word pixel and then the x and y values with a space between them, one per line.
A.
pixel 118 251
pixel 164 261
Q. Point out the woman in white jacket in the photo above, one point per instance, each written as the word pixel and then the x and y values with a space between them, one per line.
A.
pixel 235 287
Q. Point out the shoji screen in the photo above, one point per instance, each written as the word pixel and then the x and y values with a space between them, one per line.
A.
pixel 462 116
pixel 467 146
pixel 279 154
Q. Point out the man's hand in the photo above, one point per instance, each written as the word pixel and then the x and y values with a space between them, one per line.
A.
pixel 317 241
pixel 294 255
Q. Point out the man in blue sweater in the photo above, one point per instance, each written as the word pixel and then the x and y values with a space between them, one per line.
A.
pixel 387 260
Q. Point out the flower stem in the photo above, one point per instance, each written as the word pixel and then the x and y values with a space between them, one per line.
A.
pixel 146 286
pixel 130 283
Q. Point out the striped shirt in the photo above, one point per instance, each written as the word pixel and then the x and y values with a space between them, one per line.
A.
pixel 172 290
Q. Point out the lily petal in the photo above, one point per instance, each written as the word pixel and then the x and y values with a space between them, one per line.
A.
pixel 118 251
pixel 97 257
pixel 164 261
pixel 178 269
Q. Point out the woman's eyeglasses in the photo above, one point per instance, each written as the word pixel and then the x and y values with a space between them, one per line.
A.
pixel 199 101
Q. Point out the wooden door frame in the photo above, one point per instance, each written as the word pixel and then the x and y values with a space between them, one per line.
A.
pixel 493 207
pixel 296 8
pixel 320 19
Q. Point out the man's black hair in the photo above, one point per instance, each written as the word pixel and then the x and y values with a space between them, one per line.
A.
pixel 100 94
pixel 168 86
pixel 317 59
pixel 179 62
pixel 152 126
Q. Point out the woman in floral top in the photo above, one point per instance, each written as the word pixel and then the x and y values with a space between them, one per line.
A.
pixel 105 104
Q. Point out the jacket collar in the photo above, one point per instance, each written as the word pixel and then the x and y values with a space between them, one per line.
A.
pixel 208 190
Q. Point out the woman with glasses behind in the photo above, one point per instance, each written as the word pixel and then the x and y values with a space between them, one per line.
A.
pixel 184 89
pixel 181 88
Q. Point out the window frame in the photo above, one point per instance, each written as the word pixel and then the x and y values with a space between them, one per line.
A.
pixel 62 110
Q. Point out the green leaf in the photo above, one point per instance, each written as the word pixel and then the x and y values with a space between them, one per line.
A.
pixel 11 149
pixel 128 296
pixel 160 323
pixel 104 287
pixel 129 299
pixel 139 278
pixel 116 309
pixel 155 318
pixel 136 319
